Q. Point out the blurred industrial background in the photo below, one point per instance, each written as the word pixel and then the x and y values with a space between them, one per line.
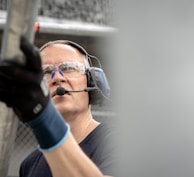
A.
pixel 87 22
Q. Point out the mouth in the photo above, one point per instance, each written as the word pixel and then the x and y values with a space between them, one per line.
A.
pixel 53 94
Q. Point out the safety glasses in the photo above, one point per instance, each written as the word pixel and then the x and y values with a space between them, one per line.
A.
pixel 69 69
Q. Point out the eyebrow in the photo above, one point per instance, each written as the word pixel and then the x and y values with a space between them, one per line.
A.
pixel 45 66
pixel 78 63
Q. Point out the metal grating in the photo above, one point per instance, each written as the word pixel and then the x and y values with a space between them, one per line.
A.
pixel 92 11
pixel 3 4
pixel 25 143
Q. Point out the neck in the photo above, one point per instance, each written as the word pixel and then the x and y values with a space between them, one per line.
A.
pixel 82 126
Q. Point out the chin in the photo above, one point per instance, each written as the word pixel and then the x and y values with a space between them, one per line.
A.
pixel 62 106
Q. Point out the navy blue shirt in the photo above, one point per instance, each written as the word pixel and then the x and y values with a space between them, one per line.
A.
pixel 98 146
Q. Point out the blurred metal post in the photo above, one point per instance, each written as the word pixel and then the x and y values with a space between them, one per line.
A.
pixel 20 21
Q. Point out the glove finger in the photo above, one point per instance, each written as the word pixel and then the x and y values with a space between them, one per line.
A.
pixel 15 97
pixel 7 98
pixel 8 87
pixel 18 74
pixel 33 60
pixel 6 84
pixel 22 91
pixel 12 100
pixel 10 71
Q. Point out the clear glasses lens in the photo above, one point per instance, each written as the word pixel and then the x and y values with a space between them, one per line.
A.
pixel 67 69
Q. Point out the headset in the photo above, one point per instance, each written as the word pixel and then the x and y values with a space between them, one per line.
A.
pixel 97 84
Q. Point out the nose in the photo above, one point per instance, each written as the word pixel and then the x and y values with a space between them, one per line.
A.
pixel 57 76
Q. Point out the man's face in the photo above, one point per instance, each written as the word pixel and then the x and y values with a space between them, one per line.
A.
pixel 70 103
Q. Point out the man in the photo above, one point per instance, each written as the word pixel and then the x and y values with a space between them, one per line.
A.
pixel 71 143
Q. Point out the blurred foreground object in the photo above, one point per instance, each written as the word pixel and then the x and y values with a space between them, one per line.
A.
pixel 20 21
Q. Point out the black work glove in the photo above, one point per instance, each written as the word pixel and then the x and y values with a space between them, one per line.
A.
pixel 23 87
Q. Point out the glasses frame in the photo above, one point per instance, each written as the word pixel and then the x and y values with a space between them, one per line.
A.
pixel 77 66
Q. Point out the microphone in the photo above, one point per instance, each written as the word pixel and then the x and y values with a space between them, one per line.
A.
pixel 61 91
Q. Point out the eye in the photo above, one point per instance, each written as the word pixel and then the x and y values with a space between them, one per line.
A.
pixel 47 69
pixel 67 68
pixel 71 68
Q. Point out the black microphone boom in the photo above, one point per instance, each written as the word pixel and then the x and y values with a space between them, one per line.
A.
pixel 88 89
pixel 62 91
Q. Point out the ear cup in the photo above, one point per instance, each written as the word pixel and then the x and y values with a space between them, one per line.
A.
pixel 97 78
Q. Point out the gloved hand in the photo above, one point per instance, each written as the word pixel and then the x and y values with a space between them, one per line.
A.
pixel 23 87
